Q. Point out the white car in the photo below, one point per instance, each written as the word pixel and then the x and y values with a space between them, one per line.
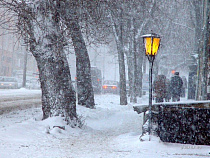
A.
pixel 8 82
pixel 110 86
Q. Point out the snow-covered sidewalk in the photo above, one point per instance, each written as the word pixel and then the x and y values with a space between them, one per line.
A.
pixel 110 131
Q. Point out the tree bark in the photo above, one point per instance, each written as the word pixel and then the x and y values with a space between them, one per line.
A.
pixel 130 61
pixel 118 34
pixel 25 68
pixel 130 70
pixel 58 96
pixel 135 62
pixel 140 56
pixel 123 94
pixel 84 84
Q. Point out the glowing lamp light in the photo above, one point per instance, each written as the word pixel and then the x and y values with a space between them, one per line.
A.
pixel 152 43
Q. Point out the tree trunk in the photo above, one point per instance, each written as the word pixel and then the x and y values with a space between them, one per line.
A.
pixel 130 63
pixel 130 71
pixel 117 30
pixel 123 95
pixel 140 54
pixel 58 96
pixel 84 84
pixel 135 62
pixel 25 68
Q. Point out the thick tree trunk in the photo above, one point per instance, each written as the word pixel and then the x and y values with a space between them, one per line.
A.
pixel 84 84
pixel 58 96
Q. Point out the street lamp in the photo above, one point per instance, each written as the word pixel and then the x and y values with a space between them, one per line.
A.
pixel 152 42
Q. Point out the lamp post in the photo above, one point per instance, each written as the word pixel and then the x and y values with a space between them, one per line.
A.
pixel 152 42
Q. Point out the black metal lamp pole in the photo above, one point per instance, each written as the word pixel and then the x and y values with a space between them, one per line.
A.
pixel 151 59
pixel 152 42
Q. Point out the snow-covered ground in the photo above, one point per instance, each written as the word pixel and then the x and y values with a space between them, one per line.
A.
pixel 109 131
pixel 17 92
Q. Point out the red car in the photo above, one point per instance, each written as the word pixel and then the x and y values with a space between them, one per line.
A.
pixel 110 87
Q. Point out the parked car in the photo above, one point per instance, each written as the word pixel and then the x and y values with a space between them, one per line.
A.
pixel 110 86
pixel 8 82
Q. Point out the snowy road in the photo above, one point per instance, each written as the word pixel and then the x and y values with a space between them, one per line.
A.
pixel 18 99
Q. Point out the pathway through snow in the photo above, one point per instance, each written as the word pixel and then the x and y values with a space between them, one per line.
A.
pixel 26 134
pixel 110 131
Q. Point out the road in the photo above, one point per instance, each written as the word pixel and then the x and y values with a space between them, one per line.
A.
pixel 18 99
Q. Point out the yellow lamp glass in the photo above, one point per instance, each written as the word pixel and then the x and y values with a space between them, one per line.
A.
pixel 155 46
pixel 152 44
pixel 148 44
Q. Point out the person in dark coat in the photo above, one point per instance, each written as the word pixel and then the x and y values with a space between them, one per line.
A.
pixel 159 87
pixel 176 87
pixel 184 86
pixel 168 91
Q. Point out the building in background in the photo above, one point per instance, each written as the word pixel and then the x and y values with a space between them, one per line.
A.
pixel 31 71
pixel 12 57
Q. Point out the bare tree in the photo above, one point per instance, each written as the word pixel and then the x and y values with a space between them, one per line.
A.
pixel 116 15
pixel 105 21
pixel 136 17
pixel 84 85
pixel 39 24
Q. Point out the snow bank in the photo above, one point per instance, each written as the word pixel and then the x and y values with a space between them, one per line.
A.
pixel 110 131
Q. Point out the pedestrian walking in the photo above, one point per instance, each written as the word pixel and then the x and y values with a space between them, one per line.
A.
pixel 159 88
pixel 168 91
pixel 176 87
pixel 184 86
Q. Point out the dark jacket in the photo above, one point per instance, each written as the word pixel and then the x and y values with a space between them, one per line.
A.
pixel 159 86
pixel 168 89
pixel 176 85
